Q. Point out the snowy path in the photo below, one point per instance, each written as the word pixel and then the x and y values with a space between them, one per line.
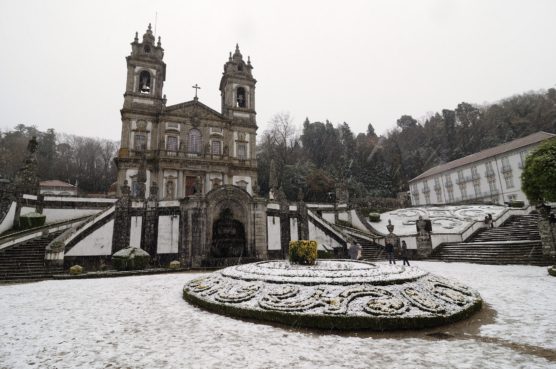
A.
pixel 143 322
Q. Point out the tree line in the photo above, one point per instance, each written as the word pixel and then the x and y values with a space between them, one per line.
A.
pixel 82 161
pixel 312 159
pixel 315 157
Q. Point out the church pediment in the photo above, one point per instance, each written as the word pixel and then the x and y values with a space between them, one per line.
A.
pixel 193 109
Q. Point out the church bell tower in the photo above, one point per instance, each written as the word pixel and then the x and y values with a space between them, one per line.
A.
pixel 146 72
pixel 237 88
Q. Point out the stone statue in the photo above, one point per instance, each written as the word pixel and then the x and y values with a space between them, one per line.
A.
pixel 423 227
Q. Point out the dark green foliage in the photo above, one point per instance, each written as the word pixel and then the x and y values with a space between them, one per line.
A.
pixel 344 223
pixel 323 254
pixel 517 204
pixel 374 217
pixel 372 166
pixel 538 180
pixel 552 270
pixel 31 220
pixel 87 161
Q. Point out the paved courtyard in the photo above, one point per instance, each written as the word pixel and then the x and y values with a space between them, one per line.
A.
pixel 143 322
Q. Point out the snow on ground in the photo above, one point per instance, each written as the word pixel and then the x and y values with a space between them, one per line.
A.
pixel 143 322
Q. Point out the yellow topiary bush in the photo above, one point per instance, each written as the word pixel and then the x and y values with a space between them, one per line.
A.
pixel 303 252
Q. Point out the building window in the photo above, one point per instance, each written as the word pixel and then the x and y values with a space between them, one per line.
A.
pixel 477 188
pixel 492 186
pixel 139 141
pixel 450 194
pixel 463 190
pixel 522 156
pixel 216 147
pixel 172 143
pixel 194 141
pixel 475 173
pixel 509 179
pixel 241 98
pixel 242 151
pixel 427 198
pixel 506 167
pixel 145 82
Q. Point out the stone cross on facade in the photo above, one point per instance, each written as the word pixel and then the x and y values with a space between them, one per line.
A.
pixel 196 87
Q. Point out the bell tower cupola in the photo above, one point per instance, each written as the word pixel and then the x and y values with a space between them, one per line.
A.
pixel 237 88
pixel 146 72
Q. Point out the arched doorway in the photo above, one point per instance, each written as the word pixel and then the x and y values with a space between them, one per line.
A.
pixel 228 236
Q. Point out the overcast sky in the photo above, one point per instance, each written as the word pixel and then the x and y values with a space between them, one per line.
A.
pixel 63 62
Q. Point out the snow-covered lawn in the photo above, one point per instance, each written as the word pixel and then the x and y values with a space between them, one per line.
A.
pixel 143 322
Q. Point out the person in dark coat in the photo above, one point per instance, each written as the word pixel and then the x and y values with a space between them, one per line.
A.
pixel 490 220
pixel 389 248
pixel 404 253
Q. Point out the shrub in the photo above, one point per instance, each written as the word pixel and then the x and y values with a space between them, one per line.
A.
pixel 374 217
pixel 174 264
pixel 76 270
pixel 517 204
pixel 303 252
pixel 130 258
pixel 344 223
pixel 323 254
pixel 31 220
pixel 552 270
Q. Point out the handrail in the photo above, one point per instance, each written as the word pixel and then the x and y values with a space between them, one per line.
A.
pixel 29 234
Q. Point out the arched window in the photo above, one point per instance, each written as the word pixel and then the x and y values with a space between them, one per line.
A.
pixel 241 98
pixel 145 82
pixel 194 141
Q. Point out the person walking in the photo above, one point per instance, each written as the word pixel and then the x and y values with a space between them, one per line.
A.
pixel 403 253
pixel 389 248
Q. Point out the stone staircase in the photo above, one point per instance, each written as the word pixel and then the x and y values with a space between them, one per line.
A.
pixel 370 250
pixel 516 228
pixel 25 261
pixel 517 241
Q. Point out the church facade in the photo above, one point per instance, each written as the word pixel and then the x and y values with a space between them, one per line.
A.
pixel 186 148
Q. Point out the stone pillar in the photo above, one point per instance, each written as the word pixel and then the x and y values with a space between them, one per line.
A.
pixel 285 235
pixel 184 242
pixel 547 231
pixel 261 243
pixel 40 204
pixel 122 220
pixel 424 244
pixel 391 238
pixel 149 225
pixel 302 221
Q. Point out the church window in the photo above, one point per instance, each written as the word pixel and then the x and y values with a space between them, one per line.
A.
pixel 145 82
pixel 172 143
pixel 139 142
pixel 194 141
pixel 242 151
pixel 240 67
pixel 216 147
pixel 241 98
pixel 147 49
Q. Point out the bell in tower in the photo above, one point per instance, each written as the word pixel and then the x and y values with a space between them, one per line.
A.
pixel 237 88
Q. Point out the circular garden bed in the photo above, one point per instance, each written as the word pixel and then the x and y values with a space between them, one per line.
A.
pixel 334 294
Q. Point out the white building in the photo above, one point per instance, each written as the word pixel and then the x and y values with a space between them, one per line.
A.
pixel 490 175
pixel 58 188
